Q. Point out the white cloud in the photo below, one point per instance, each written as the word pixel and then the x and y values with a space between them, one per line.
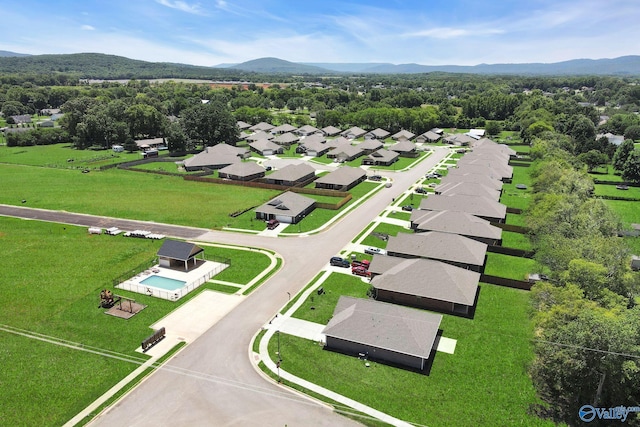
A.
pixel 183 6
pixel 87 28
pixel 449 33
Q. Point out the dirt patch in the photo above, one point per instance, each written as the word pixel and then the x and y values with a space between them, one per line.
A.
pixel 125 309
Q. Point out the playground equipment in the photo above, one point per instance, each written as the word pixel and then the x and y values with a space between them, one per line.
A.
pixel 106 299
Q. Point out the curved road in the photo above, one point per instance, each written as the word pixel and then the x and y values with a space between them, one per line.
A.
pixel 222 387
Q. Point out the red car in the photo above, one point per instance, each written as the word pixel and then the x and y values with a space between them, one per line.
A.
pixel 360 271
pixel 364 263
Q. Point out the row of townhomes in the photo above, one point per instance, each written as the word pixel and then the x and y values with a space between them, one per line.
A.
pixel 436 268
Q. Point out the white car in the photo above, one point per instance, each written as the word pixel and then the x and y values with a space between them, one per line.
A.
pixel 375 251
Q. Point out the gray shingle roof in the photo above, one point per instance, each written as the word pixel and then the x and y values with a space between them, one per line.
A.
pixel 460 223
pixel 383 156
pixel 355 131
pixel 383 325
pixel 176 249
pixel 439 246
pixel 221 154
pixel 468 189
pixel 288 203
pixel 264 144
pixel 456 175
pixel 370 144
pixel 292 172
pixel 403 146
pixel 330 130
pixel 403 134
pixel 474 205
pixel 243 169
pixel 430 279
pixel 344 175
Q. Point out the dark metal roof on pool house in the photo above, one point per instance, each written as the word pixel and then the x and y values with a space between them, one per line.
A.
pixel 176 249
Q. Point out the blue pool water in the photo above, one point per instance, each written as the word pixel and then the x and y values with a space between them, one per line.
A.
pixel 163 282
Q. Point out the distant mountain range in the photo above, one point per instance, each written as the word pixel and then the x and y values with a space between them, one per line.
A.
pixel 624 65
pixel 101 66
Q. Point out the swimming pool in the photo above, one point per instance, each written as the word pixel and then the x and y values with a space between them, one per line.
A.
pixel 163 282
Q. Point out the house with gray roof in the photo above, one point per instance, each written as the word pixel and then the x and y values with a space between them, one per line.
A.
pixel 383 332
pixel 345 153
pixel 381 157
pixel 446 247
pixel 242 125
pixel 264 147
pixel 504 173
pixel 286 139
pixel 613 139
pixel 455 175
pixel 330 131
pixel 179 255
pixel 291 175
pixel 151 143
pixel 306 130
pixel 474 170
pixel 459 139
pixel 259 135
pixel 428 284
pixel 215 157
pixel 483 207
pixel 403 135
pixel 468 189
pixel 315 147
pixel 460 223
pixel 342 179
pixel 488 145
pixel 262 126
pixel 338 142
pixel 288 208
pixel 368 146
pixel 405 148
pixel 377 133
pixel 242 171
pixel 20 119
pixel 354 132
pixel 283 129
pixel 428 136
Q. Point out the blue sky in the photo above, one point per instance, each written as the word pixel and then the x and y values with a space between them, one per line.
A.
pixel 429 32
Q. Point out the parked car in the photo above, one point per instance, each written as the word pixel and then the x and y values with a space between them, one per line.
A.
pixel 431 175
pixel 375 251
pixel 375 178
pixel 339 262
pixel 360 271
pixel 421 190
pixel 364 263
pixel 408 208
pixel 272 223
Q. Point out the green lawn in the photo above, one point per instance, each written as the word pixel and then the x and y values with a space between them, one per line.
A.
pixel 126 194
pixel 52 276
pixel 516 241
pixel 162 166
pixel 508 266
pixel 62 156
pixel 485 383
pixel 611 190
pixel 629 212
pixel 319 308
pixel 607 174
pixel 390 229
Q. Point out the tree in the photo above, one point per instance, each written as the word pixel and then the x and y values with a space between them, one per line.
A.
pixel 632 132
pixel 631 169
pixel 493 127
pixel 210 124
pixel 593 159
pixel 176 139
pixel 622 154
pixel 583 132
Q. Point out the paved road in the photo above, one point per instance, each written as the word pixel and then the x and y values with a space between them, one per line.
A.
pixel 224 389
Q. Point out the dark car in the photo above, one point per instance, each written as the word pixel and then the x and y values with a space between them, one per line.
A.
pixel 375 178
pixel 360 271
pixel 272 223
pixel 364 263
pixel 421 190
pixel 408 208
pixel 339 262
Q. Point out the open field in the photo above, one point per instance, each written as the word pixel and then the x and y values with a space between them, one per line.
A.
pixel 629 212
pixel 52 276
pixel 383 228
pixel 611 190
pixel 508 266
pixel 62 156
pixel 488 369
pixel 125 194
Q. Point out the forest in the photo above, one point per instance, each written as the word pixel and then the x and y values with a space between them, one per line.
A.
pixel 586 315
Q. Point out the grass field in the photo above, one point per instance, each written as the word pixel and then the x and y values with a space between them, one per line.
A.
pixel 629 212
pixel 484 383
pixel 516 241
pixel 51 278
pixel 125 194
pixel 508 266
pixel 611 190
pixel 513 197
pixel 384 228
pixel 62 156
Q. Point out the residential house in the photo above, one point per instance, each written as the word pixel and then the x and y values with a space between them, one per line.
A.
pixel 368 146
pixel 403 135
pixel 482 207
pixel 288 208
pixel 314 147
pixel 242 125
pixel 383 332
pixel 265 147
pixel 20 119
pixel 345 153
pixel 285 128
pixel 459 139
pixel 428 284
pixel 461 223
pixel 377 133
pixel 499 171
pixel 405 148
pixel 381 157
pixel 354 133
pixel 242 171
pixel 468 189
pixel 428 136
pixel 292 175
pixel 343 178
pixel 259 135
pixel 458 176
pixel 215 157
pixel 151 144
pixel 446 247
pixel 306 130
pixel 286 139
pixel 330 131
pixel 262 126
